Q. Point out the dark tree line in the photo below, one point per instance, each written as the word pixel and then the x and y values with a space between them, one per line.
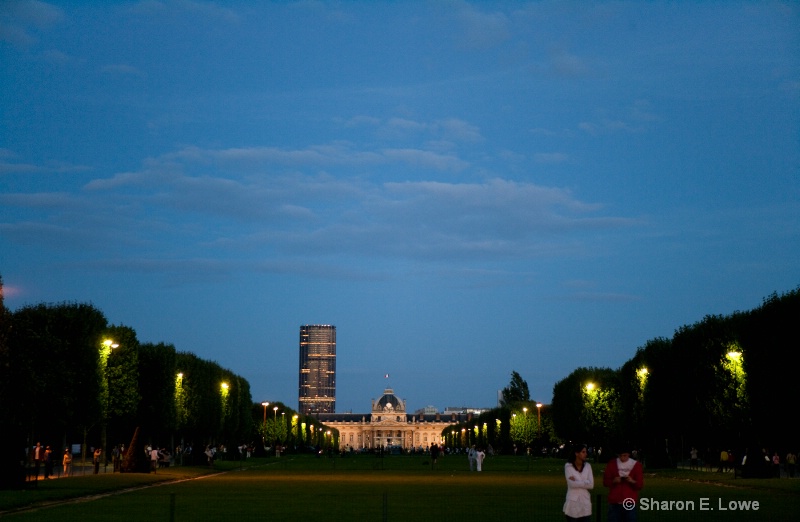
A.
pixel 721 383
pixel 68 377
pixel 725 382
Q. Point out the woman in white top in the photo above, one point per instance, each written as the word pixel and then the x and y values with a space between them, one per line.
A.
pixel 479 456
pixel 580 481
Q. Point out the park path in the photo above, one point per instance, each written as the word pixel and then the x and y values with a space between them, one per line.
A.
pixel 89 498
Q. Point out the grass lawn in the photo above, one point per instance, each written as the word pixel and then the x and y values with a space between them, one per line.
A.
pixel 394 488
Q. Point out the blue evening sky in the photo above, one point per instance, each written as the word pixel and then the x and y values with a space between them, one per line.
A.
pixel 464 189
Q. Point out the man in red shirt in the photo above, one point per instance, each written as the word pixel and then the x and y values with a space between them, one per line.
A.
pixel 623 477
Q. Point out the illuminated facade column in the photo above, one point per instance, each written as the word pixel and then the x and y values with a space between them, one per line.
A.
pixel 317 387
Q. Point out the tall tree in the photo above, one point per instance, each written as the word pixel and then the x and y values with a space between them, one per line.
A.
pixel 122 376
pixel 585 406
pixel 516 391
pixel 11 432
pixel 158 379
pixel 54 353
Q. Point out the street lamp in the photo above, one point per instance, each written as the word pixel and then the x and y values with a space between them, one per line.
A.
pixel 264 437
pixel 735 358
pixel 105 353
pixel 539 418
pixel 275 429
pixel 265 404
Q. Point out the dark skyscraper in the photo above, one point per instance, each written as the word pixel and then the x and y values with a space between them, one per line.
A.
pixel 317 392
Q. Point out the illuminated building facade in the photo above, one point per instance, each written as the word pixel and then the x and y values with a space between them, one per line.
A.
pixel 388 426
pixel 317 390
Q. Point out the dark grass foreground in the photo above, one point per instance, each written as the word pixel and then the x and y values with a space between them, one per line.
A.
pixel 394 488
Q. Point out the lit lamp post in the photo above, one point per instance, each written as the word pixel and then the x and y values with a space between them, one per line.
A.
pixel 264 437
pixel 735 357
pixel 108 346
pixel 539 418
pixel 265 404
pixel 275 429
pixel 590 409
pixel 223 396
pixel 283 427
pixel 180 411
pixel 526 431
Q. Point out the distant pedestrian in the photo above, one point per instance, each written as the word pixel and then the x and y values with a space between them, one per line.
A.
pixel 471 457
pixel 210 455
pixel 66 462
pixel 434 454
pixel 98 453
pixel 154 459
pixel 116 455
pixel 723 461
pixel 48 462
pixel 38 458
pixel 479 456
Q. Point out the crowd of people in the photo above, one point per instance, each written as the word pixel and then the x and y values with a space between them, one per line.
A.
pixel 42 460
pixel 759 464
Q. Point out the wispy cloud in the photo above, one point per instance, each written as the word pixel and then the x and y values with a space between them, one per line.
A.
pixel 20 20
pixel 481 30
pixel 194 198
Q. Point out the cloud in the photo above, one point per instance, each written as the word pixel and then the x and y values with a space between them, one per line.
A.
pixel 550 157
pixel 459 130
pixel 424 158
pixel 206 10
pixel 567 64
pixel 452 130
pixel 480 30
pixel 51 167
pixel 21 19
pixel 636 118
pixel 282 205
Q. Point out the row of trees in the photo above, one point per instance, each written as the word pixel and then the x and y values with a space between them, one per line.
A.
pixel 70 377
pixel 285 428
pixel 723 382
pixel 519 425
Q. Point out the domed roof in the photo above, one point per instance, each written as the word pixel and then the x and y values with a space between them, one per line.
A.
pixel 389 401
